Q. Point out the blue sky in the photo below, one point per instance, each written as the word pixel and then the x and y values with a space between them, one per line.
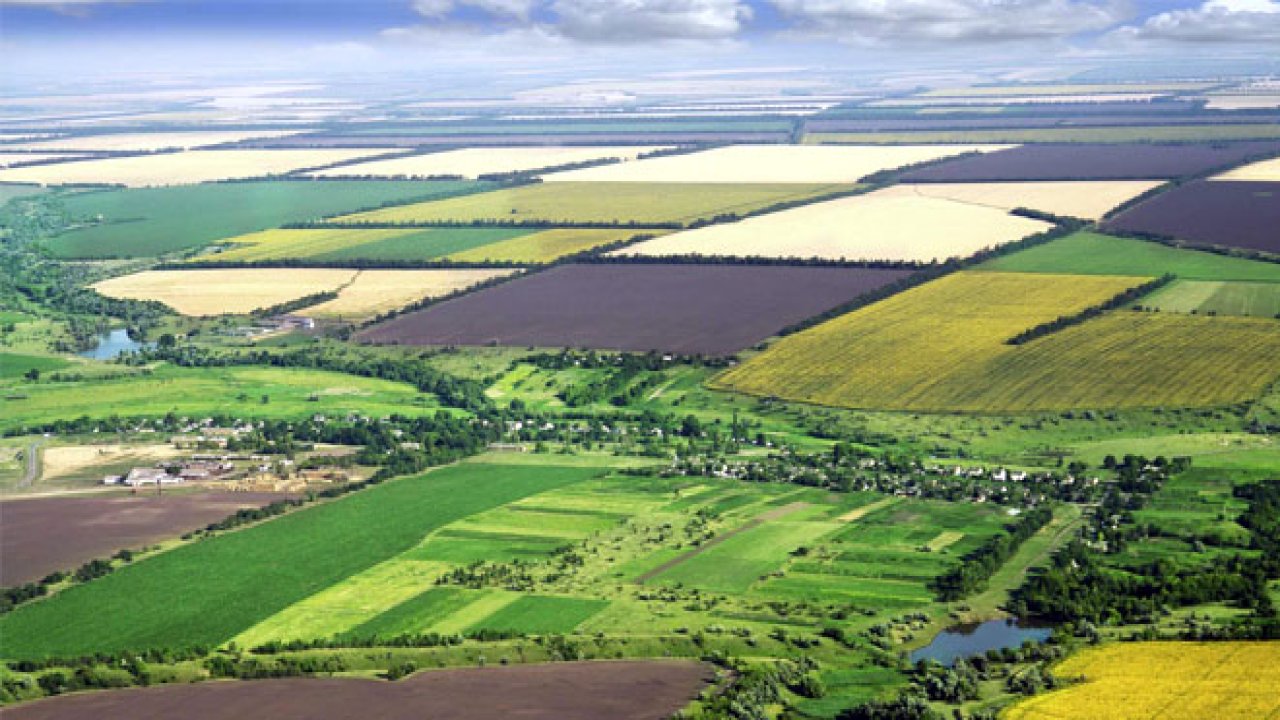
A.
pixel 291 33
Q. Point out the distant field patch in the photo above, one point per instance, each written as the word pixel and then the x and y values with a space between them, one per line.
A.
pixel 1241 215
pixel 155 221
pixel 1118 134
pixel 181 168
pixel 900 353
pixel 543 615
pixel 10 159
pixel 1217 298
pixel 1163 681
pixel 1093 162
pixel 235 291
pixel 1263 171
pixel 1087 200
pixel 1050 89
pixel 888 224
pixel 474 162
pixel 132 142
pixel 13 365
pixel 770 164
pixel 1088 253
pixel 709 309
pixel 637 204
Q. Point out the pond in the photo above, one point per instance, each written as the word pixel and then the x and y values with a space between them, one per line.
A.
pixel 963 641
pixel 112 344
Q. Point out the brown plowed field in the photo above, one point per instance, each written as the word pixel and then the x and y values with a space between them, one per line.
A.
pixel 559 691
pixel 1229 214
pixel 690 309
pixel 41 535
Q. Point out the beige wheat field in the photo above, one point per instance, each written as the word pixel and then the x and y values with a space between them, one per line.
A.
pixel 379 291
pixel 884 225
pixel 771 164
pixel 181 168
pixel 473 162
pixel 130 142
pixel 1264 171
pixel 1089 200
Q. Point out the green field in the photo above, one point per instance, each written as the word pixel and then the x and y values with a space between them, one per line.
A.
pixel 209 391
pixel 156 221
pixel 208 591
pixel 1119 134
pixel 343 244
pixel 1088 253
pixel 9 192
pixel 615 203
pixel 1245 299
pixel 542 615
pixel 14 365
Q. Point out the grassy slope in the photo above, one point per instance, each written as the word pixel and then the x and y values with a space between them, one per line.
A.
pixel 14 365
pixel 154 221
pixel 208 591
pixel 1087 253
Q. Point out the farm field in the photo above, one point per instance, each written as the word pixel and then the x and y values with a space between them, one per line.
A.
pixel 1118 135
pixel 237 579
pixel 1241 215
pixel 250 391
pixel 183 168
pixel 1083 199
pixel 1050 89
pixel 1093 162
pixel 10 159
pixel 1163 681
pixel 474 162
pixel 13 365
pixel 134 142
pixel 634 690
pixel 156 221
pixel 713 309
pixel 373 292
pixel 464 244
pixel 46 534
pixel 625 204
pixel 1262 171
pixel 942 347
pixel 1217 298
pixel 1089 253
pixel 888 224
pixel 769 164
pixel 233 291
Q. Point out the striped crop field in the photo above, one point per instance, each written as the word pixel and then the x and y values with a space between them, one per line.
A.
pixel 941 347
pixel 1164 681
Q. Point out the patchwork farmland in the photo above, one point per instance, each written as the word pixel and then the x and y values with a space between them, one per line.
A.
pixel 1242 215
pixel 472 163
pixel 693 309
pixel 134 142
pixel 183 168
pixel 624 204
pixel 1093 162
pixel 889 224
pixel 770 164
pixel 360 293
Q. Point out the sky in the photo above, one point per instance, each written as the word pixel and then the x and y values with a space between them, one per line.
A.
pixel 621 36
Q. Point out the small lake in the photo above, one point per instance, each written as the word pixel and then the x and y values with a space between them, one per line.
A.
pixel 112 344
pixel 963 641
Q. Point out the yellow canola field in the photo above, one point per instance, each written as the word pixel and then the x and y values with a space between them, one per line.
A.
pixel 1089 200
pixel 548 245
pixel 770 164
pixel 887 224
pixel 293 243
pixel 1264 171
pixel 1164 681
pixel 181 168
pixel 473 162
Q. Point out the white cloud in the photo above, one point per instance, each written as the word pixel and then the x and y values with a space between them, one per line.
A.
pixel 637 20
pixel 1216 21
pixel 894 21
pixel 501 9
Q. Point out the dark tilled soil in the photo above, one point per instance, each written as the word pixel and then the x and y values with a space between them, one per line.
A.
pixel 558 691
pixel 1230 214
pixel 1094 162
pixel 690 309
pixel 41 535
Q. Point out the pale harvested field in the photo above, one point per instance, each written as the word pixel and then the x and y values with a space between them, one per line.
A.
pixel 129 142
pixel 60 462
pixel 1066 89
pixel 1243 102
pixel 884 225
pixel 771 164
pixel 1264 171
pixel 1088 200
pixel 473 162
pixel 379 291
pixel 1017 100
pixel 224 291
pixel 181 168
pixel 14 158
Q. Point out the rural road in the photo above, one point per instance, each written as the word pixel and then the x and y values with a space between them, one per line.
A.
pixel 33 465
